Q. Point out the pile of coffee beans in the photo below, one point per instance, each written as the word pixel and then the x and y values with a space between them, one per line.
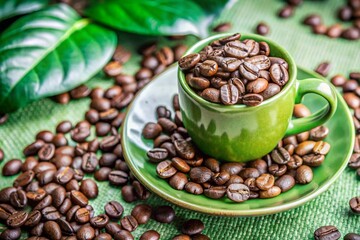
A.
pixel 349 12
pixel 50 197
pixel 230 71
pixel 186 168
pixel 332 233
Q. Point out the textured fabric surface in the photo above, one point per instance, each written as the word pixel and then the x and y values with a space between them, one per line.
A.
pixel 308 50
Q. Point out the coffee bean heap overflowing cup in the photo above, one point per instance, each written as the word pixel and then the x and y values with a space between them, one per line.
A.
pixel 230 71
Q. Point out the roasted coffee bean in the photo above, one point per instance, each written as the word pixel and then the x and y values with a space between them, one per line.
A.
pixel 143 73
pixel 217 82
pixel 64 175
pixel 212 164
pixel 355 204
pixel 350 86
pixel 33 219
pixel 220 178
pixel 118 178
pixel 305 148
pixel 142 213
pixel 265 181
pixel 98 92
pixel 102 174
pixel 89 188
pixel 5 211
pixel 352 236
pixel 300 111
pixel 99 221
pixel 108 160
pixel 123 235
pixel 262 29
pixel 285 182
pixel 78 198
pixel 334 31
pixel 17 219
pixel 65 150
pixel 164 214
pixel 257 86
pixel 178 181
pixel 189 61
pixel 192 227
pixel 82 215
pixel 80 92
pixel 327 232
pixel 215 192
pixel 286 12
pixel 200 174
pixel 52 230
pixel 208 68
pixel 64 127
pixel 193 188
pixel 102 129
pixel 46 177
pixel 140 190
pixel 163 112
pixel 271 90
pixel 89 162
pixel 45 202
pixel 58 196
pixel 114 209
pixel 238 192
pixel 24 179
pixel 165 169
pixel 324 68
pixel 280 155
pixel 211 94
pixel 72 185
pixel 103 236
pixel 59 140
pixel 113 68
pixel 71 213
pixel 304 174
pixel 85 232
pixel 65 206
pixel 181 237
pixel 112 228
pixel 319 133
pixel 230 64
pixel 338 80
pixel 277 170
pixel 321 148
pixel 121 54
pixel 167 125
pixel 354 161
pixel 270 193
pixel 262 62
pixel 79 134
pixel 50 187
pixel 249 173
pixel 222 27
pixel 229 94
pixel 65 227
pixel 184 149
pixel 62 98
pixel 78 174
pixel 33 148
pixel 249 71
pixel 5 194
pixel 313 160
pixel 252 99
pixel 279 74
pixel 100 104
pixel 251 183
pixel 151 130
pixel 92 116
pixel 18 199
pixel 313 20
pixel 150 235
pixel 128 193
pixel 295 162
pixel 45 135
pixel 129 223
pixel 12 167
pixel 351 33
pixel 199 83
pixel 180 164
pixel 352 100
pixel 37 231
pixel 11 234
pixel 231 168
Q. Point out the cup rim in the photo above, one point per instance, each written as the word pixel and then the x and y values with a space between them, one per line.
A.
pixel 202 43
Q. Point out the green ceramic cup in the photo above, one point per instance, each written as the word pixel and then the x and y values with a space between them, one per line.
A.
pixel 239 133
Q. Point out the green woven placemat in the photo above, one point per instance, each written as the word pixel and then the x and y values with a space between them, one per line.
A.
pixel 308 50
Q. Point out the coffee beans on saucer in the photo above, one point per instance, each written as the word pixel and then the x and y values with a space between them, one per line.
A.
pixel 229 71
pixel 186 168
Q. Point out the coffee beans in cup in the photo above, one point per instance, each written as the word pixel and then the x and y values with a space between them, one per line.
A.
pixel 230 71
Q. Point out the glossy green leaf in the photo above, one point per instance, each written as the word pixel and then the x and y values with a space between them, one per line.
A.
pixel 50 52
pixel 11 8
pixel 156 17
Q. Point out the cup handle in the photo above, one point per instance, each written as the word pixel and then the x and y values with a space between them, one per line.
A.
pixel 319 87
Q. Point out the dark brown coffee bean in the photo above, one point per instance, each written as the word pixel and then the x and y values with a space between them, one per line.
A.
pixel 64 175
pixel 62 98
pixel 313 20
pixel 351 100
pixel 304 174
pixel 327 232
pixel 52 230
pixel 58 196
pixel 262 29
pixel 181 237
pixel 80 92
pixel 79 134
pixel 45 202
pixel 64 127
pixel 121 54
pixel 11 234
pixel 33 148
pixel 300 111
pixel 163 112
pixel 142 213
pixel 338 80
pixel 355 76
pixel 167 125
pixel 286 12
pixel 184 149
pixel 249 71
pixel 257 86
pixel 200 174
pixel 112 228
pixel 279 74
pixel 98 92
pixel 99 221
pixel 334 31
pixel 321 148
pixel 89 188
pixel 18 199
pixel 215 192
pixel 270 193
pixel 265 181
pixel 89 162
pixel 17 219
pixel 189 61
pixel 280 61
pixel 323 68
pixel 79 198
pixel 12 167
pixel 143 73
pixel 238 192
pixel 65 150
pixel 65 206
pixel 252 99
pixel 277 170
pixel 129 223
pixel 199 83
pixel 113 68
pixel 285 182
pixel 319 133
pixel 212 164
pixel 192 227
pixel 114 209
pixel 24 179
pixel 33 219
pixel 151 130
pixel 82 215
pixel 351 33
pixel 150 235
pixel 231 168
pixel 102 174
pixel 85 232
pixel 118 178
pixel 295 162
pixel 5 211
pixel 211 94
pixel 46 177
pixel 229 94
pixel 45 135
pixel 280 155
pixel 178 181
pixel 128 193
pixel 193 188
pixel 313 160
pixel 222 27
pixel 37 231
pixel 249 173
pixel 352 236
pixel 180 165
pixel 355 204
pixel 164 214
pixel 100 104
pixel 165 169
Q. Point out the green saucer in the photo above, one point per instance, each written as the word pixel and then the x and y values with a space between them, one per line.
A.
pixel 160 92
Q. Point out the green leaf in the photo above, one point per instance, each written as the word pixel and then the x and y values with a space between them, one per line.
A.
pixel 50 52
pixel 11 8
pixel 156 17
